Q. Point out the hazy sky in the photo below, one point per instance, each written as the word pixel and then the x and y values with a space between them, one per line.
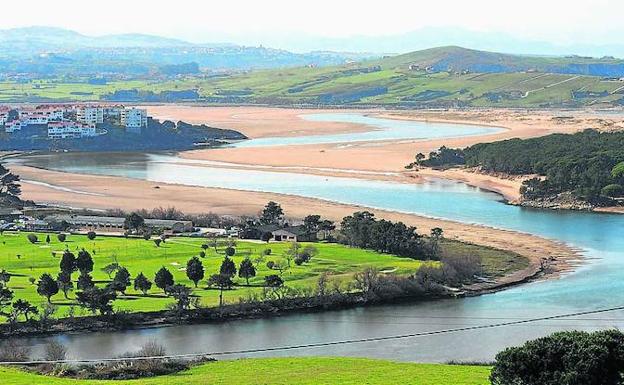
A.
pixel 558 21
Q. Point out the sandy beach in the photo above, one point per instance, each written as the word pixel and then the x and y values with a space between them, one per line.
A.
pixel 377 157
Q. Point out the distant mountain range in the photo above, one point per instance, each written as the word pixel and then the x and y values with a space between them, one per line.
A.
pixel 52 51
pixel 430 37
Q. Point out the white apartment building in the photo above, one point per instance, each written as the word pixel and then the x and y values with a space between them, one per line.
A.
pixel 133 118
pixel 15 125
pixel 3 118
pixel 70 130
pixel 90 115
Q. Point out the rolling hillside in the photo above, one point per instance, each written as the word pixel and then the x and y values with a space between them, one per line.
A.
pixel 439 77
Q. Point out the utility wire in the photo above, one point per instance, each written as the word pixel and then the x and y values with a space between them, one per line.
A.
pixel 317 344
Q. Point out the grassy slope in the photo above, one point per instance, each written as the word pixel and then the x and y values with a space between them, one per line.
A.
pixel 297 85
pixel 139 255
pixel 301 371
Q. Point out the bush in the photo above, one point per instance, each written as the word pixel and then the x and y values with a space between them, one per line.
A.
pixel 612 191
pixel 32 238
pixel 564 358
pixel 11 351
pixel 91 235
pixel 61 237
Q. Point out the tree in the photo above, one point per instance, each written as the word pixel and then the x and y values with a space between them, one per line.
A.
pixel 157 242
pixel 134 222
pixel 85 282
pixel 121 281
pixel 228 267
pixel 68 262
pixel 61 237
pixel 195 270
pixel 97 299
pixel 6 296
pixel 570 358
pixel 84 262
pixel 48 239
pixel 222 282
pixel 246 270
pixel 612 191
pixel 9 185
pixel 312 223
pixel 142 283
pixel 273 281
pixel 292 252
pixel 110 269
pixel 163 279
pixel 32 238
pixel 91 235
pixel 272 214
pixel 306 255
pixel 24 308
pixel 266 236
pixel 230 251
pixel 65 283
pixel 182 296
pixel 47 286
pixel 419 158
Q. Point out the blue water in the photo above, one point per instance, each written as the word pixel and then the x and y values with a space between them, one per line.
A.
pixel 381 129
pixel 598 283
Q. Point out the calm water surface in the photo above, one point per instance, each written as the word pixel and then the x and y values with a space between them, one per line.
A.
pixel 382 129
pixel 599 283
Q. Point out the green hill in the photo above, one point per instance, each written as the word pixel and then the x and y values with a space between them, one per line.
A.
pixel 438 77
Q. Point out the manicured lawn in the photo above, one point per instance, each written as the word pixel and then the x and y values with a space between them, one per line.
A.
pixel 26 261
pixel 290 371
pixel 139 255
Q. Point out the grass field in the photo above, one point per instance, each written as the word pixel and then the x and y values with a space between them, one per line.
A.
pixel 290 371
pixel 348 84
pixel 26 261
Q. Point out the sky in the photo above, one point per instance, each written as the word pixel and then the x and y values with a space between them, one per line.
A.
pixel 249 22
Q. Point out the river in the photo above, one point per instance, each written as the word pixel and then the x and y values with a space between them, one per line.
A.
pixel 598 283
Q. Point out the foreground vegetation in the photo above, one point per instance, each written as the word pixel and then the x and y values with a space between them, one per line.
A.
pixel 304 371
pixel 589 164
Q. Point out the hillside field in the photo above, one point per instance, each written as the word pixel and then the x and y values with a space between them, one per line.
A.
pixel 439 77
pixel 287 371
pixel 26 261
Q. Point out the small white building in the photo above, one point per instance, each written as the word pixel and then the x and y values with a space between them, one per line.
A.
pixel 70 130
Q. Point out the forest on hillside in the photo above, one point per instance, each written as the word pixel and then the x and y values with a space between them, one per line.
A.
pixel 588 164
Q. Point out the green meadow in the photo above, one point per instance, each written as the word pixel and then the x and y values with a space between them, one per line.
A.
pixel 287 371
pixel 27 262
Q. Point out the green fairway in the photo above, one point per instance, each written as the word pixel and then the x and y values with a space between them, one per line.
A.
pixel 26 261
pixel 290 371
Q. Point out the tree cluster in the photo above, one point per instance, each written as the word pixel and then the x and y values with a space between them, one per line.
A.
pixel 363 230
pixel 588 164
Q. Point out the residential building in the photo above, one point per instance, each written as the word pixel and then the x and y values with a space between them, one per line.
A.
pixel 90 115
pixel 133 118
pixel 12 126
pixel 70 130
pixel 294 234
